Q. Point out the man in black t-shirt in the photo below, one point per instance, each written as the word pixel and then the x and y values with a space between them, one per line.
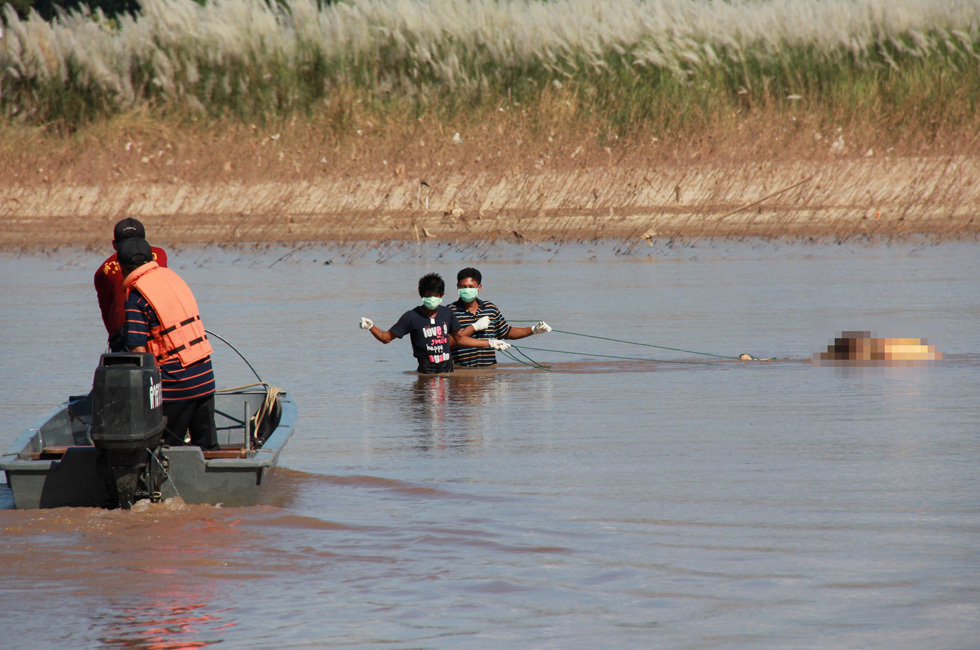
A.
pixel 433 329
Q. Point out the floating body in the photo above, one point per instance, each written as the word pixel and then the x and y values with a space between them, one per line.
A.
pixel 860 348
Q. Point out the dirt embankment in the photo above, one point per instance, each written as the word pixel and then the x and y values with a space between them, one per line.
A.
pixel 207 195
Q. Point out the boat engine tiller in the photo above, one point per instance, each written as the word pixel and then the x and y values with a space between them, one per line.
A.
pixel 127 422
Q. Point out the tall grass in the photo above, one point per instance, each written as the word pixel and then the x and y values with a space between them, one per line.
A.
pixel 669 65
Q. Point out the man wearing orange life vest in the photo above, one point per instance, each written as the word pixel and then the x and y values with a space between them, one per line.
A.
pixel 109 281
pixel 162 318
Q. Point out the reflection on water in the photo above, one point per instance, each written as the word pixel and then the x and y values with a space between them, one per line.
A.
pixel 147 577
pixel 449 411
pixel 452 412
pixel 168 620
pixel 625 497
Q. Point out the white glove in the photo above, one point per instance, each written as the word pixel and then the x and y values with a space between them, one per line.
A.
pixel 540 327
pixel 366 323
pixel 497 344
pixel 481 323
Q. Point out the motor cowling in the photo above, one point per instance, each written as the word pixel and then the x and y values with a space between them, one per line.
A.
pixel 127 424
pixel 127 402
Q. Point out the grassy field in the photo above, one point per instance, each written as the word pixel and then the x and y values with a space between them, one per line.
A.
pixel 906 69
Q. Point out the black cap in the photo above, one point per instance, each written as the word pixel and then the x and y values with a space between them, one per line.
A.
pixel 134 252
pixel 127 228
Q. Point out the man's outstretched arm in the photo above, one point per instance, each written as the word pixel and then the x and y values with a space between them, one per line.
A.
pixel 382 335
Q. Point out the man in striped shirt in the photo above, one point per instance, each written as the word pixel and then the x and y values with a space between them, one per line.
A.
pixel 160 322
pixel 470 308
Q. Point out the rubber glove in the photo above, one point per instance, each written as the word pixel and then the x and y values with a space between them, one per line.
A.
pixel 497 344
pixel 366 323
pixel 540 327
pixel 481 323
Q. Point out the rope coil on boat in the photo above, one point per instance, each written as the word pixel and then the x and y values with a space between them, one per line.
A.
pixel 271 392
pixel 268 404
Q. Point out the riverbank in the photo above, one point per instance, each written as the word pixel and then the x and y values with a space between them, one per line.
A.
pixel 206 193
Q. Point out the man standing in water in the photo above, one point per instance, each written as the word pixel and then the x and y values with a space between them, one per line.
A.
pixel 433 329
pixel 109 281
pixel 162 318
pixel 469 309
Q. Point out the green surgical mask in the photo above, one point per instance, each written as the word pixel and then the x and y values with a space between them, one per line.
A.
pixel 468 294
pixel 431 302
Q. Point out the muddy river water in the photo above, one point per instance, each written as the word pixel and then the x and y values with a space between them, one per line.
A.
pixel 630 496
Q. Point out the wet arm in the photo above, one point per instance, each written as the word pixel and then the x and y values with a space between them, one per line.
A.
pixel 461 339
pixel 382 335
pixel 467 331
pixel 519 333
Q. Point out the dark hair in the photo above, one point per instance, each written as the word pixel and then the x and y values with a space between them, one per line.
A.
pixel 469 272
pixel 431 283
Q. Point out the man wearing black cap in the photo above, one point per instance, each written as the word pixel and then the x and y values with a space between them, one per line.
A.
pixel 109 280
pixel 162 318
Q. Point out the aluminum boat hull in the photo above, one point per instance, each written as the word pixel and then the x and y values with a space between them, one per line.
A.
pixel 54 463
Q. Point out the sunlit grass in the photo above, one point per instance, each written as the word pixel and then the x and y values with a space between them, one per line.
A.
pixel 664 66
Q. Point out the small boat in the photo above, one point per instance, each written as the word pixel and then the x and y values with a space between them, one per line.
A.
pixel 104 449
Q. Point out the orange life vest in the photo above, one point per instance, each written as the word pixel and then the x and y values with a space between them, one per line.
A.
pixel 180 333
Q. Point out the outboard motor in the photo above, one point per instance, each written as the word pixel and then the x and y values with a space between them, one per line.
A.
pixel 127 422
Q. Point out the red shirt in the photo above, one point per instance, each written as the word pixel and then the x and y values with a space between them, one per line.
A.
pixel 112 295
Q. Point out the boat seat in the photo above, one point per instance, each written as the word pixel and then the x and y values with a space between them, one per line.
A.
pixel 55 452
pixel 234 452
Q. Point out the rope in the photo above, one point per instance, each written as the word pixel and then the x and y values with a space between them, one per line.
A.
pixel 536 363
pixel 648 345
pixel 238 388
pixel 612 356
pixel 271 392
pixel 166 474
pixel 271 396
pixel 225 341
pixel 268 404
pixel 530 362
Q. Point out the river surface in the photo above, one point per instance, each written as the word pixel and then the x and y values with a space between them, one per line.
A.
pixel 649 497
